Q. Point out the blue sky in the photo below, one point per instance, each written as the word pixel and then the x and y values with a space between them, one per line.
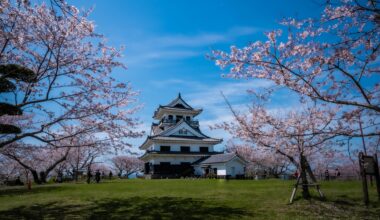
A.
pixel 167 43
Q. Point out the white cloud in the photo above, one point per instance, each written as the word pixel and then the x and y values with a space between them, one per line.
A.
pixel 156 55
pixel 153 50
pixel 232 90
pixel 198 40
pixel 203 39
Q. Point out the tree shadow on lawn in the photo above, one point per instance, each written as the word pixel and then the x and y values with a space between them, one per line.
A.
pixel 340 206
pixel 129 208
pixel 21 190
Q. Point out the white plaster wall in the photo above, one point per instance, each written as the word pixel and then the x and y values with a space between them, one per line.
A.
pixel 239 167
pixel 226 168
pixel 221 172
pixel 221 168
pixel 156 147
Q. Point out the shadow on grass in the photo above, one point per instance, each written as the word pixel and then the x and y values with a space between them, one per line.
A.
pixel 21 190
pixel 130 208
pixel 341 207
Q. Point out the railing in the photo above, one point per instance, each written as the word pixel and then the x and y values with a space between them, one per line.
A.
pixel 181 152
pixel 194 123
pixel 168 121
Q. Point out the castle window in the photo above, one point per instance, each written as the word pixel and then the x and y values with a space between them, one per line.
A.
pixel 178 117
pixel 165 148
pixel 203 149
pixel 182 131
pixel 188 118
pixel 170 117
pixel 185 149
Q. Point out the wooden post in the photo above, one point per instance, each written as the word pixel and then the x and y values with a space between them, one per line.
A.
pixel 377 175
pixel 314 180
pixel 295 189
pixel 364 179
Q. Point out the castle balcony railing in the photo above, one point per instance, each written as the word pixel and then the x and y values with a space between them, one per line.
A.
pixel 165 122
pixel 181 152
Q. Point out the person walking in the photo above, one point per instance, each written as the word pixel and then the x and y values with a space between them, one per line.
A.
pixel 97 176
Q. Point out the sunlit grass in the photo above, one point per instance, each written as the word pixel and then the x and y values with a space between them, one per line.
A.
pixel 184 199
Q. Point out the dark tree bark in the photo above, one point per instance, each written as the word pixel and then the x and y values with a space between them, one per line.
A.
pixel 41 177
pixel 305 187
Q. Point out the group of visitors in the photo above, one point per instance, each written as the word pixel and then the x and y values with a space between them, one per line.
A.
pixel 97 176
pixel 327 174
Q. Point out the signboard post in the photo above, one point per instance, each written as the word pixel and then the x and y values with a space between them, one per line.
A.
pixel 369 166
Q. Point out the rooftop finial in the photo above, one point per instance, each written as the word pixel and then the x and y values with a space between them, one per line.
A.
pixel 179 95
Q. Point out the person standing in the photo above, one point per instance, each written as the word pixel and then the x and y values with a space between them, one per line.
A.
pixel 89 176
pixel 97 176
pixel 110 175
pixel 296 174
pixel 59 177
pixel 327 175
pixel 337 173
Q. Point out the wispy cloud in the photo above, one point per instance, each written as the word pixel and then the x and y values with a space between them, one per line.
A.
pixel 211 95
pixel 158 55
pixel 198 40
pixel 204 39
pixel 155 50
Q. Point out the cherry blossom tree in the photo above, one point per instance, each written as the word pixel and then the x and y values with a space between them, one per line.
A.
pixel 127 164
pixel 333 59
pixel 333 161
pixel 83 153
pixel 38 162
pixel 297 134
pixel 261 160
pixel 103 168
pixel 71 153
pixel 74 81
pixel 81 158
pixel 10 170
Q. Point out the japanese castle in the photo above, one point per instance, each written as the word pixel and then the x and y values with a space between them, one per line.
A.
pixel 175 141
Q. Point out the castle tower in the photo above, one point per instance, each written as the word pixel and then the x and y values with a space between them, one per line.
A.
pixel 176 142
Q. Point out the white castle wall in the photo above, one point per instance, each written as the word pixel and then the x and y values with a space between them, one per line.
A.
pixel 224 169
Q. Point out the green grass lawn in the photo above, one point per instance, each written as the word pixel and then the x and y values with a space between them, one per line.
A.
pixel 184 199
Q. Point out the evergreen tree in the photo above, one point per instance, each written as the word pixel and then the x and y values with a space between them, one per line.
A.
pixel 10 72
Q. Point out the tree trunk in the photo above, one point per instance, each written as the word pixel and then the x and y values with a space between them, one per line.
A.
pixel 43 177
pixel 305 187
pixel 36 178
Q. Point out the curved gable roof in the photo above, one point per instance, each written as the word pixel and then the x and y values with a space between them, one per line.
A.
pixel 221 158
pixel 184 123
pixel 178 103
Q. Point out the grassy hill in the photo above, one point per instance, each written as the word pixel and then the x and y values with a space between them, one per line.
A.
pixel 184 199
